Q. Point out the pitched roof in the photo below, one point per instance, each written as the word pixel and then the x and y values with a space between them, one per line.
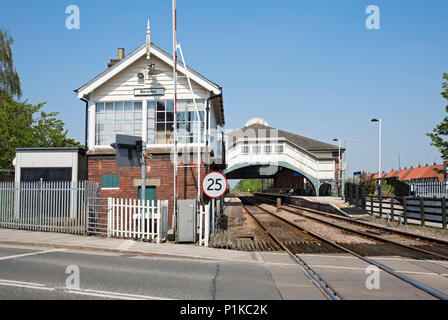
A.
pixel 134 56
pixel 426 172
pixel 404 173
pixel 392 174
pixel 416 173
pixel 375 175
pixel 109 73
pixel 302 142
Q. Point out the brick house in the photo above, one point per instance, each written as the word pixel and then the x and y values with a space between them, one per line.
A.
pixel 135 96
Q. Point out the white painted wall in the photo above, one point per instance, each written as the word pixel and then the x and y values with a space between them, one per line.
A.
pixel 47 159
pixel 121 88
pixel 302 160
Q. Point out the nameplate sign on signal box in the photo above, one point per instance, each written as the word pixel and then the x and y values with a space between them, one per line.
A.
pixel 149 92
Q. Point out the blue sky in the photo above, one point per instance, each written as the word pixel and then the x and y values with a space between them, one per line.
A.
pixel 309 67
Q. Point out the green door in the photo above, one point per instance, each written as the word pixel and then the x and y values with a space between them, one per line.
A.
pixel 150 194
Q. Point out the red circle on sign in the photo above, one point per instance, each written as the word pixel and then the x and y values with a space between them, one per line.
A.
pixel 225 179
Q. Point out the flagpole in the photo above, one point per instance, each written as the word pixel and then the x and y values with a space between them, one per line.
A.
pixel 175 111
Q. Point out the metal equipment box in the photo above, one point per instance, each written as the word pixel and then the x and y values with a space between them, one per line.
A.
pixel 187 220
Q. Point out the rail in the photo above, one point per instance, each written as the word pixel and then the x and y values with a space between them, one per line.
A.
pixel 328 291
pixel 433 292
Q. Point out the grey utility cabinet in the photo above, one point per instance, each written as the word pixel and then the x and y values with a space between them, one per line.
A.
pixel 186 221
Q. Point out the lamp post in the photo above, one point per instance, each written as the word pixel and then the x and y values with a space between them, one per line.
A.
pixel 339 166
pixel 379 156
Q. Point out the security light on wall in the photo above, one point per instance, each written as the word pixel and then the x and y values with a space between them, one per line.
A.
pixel 151 70
pixel 140 75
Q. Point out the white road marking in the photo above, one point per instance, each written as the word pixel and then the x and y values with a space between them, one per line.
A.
pixel 259 257
pixel 125 245
pixel 85 292
pixel 29 254
pixel 21 284
pixel 113 295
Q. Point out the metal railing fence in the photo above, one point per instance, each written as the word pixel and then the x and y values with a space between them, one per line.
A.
pixel 429 189
pixel 56 206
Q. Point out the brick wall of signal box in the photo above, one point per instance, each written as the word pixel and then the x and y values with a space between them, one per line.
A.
pixel 161 168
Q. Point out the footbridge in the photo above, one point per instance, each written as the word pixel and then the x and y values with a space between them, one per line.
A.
pixel 259 151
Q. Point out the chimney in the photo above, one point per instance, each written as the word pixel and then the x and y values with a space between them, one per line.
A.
pixel 120 56
pixel 120 53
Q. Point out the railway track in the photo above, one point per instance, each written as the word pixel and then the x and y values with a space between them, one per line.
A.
pixel 262 219
pixel 260 214
pixel 427 247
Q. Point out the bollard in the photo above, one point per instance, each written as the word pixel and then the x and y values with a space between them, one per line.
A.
pixel 279 204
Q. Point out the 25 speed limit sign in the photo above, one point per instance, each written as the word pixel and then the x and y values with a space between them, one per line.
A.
pixel 214 184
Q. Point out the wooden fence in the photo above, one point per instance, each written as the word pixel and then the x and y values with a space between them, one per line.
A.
pixel 403 209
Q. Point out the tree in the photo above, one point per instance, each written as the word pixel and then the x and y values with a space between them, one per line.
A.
pixel 9 79
pixel 253 185
pixel 24 125
pixel 441 130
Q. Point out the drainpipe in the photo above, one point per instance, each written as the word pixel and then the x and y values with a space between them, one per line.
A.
pixel 86 163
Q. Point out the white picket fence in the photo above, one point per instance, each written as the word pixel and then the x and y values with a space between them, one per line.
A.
pixel 203 226
pixel 206 222
pixel 131 218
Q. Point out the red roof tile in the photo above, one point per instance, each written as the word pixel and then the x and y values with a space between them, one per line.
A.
pixel 430 172
pixel 393 173
pixel 416 173
pixel 404 173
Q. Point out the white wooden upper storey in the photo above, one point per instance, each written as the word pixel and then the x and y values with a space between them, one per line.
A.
pixel 115 106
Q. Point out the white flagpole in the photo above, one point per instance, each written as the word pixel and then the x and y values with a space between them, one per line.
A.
pixel 175 111
pixel 148 42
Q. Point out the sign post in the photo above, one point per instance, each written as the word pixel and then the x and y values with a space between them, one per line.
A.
pixel 356 174
pixel 214 186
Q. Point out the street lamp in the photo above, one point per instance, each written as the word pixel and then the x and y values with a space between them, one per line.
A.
pixel 379 156
pixel 339 167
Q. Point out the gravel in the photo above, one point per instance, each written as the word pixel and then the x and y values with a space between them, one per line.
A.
pixel 414 229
